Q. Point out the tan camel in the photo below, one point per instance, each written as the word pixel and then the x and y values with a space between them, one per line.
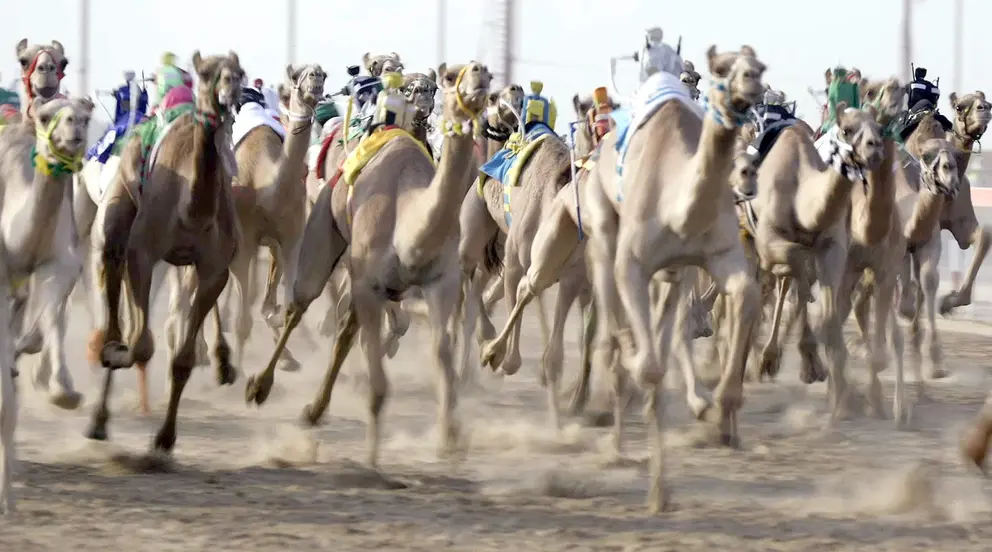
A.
pixel 703 230
pixel 803 221
pixel 182 213
pixel 972 114
pixel 514 210
pixel 42 70
pixel 37 162
pixel 270 197
pixel 383 63
pixel 975 443
pixel 401 230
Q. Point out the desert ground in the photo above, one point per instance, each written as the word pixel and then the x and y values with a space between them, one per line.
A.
pixel 246 479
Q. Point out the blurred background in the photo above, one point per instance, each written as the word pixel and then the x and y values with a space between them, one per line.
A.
pixel 566 44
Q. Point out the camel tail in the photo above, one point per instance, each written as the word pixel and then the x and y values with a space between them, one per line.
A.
pixel 492 260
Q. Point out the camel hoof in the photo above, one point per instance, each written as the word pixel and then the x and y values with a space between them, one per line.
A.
pixel 258 388
pixel 275 321
pixel 770 365
pixel 975 448
pixel 115 355
pixel 952 301
pixel 700 408
pixel 939 373
pixel 310 417
pixel 164 443
pixel 392 345
pixel 492 355
pixel 97 433
pixel 66 399
pixel 730 441
pixel 289 365
pixel 226 374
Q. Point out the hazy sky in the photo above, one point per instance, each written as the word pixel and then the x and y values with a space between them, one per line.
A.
pixel 797 39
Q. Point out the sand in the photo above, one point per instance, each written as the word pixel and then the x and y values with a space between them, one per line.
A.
pixel 250 479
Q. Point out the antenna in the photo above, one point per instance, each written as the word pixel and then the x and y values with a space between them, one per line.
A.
pixel 678 47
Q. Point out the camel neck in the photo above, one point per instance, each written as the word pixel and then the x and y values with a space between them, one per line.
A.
pixel 288 185
pixel 962 150
pixel 824 195
pixel 32 225
pixel 207 166
pixel 871 210
pixel 431 218
pixel 926 216
pixel 713 163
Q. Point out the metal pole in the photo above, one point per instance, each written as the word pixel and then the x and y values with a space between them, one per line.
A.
pixel 84 47
pixel 290 31
pixel 907 40
pixel 442 30
pixel 958 45
pixel 508 49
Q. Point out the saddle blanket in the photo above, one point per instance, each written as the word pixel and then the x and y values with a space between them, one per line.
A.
pixel 317 154
pixel 658 89
pixel 506 163
pixel 251 116
pixel 369 147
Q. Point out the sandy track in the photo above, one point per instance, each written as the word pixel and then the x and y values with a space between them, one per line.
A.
pixel 249 479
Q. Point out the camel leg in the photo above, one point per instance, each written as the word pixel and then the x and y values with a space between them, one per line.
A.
pixel 493 293
pixel 54 282
pixel 208 289
pixel 907 299
pixel 347 329
pixel 579 394
pixel 118 213
pixel 470 309
pixel 862 314
pixel 831 266
pixel 8 407
pixel 324 246
pixel 981 238
pixel 975 444
pixel 397 324
pixel 900 412
pixel 441 297
pixel 554 349
pixel 878 361
pixel 551 248
pixel 334 313
pixel 771 354
pixel 282 268
pixel 512 274
pixel 930 281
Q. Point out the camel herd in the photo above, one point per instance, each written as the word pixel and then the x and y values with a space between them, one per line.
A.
pixel 683 215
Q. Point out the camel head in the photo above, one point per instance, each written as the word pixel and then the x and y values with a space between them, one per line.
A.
pixel 386 63
pixel 939 167
pixel 466 90
pixel 887 97
pixel 737 84
pixel 971 114
pixel 220 80
pixel 304 87
pixel 420 90
pixel 859 136
pixel 744 176
pixel 690 78
pixel 42 68
pixel 61 126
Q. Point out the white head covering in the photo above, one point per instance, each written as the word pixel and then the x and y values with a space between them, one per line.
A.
pixel 657 56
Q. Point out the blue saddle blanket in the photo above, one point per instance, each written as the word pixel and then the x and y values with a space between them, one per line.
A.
pixel 502 161
pixel 102 149
pixel 655 92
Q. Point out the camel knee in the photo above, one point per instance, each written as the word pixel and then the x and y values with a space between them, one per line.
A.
pixel 95 346
pixel 930 279
pixel 745 294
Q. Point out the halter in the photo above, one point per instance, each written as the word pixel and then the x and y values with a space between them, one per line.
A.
pixel 461 128
pixel 26 78
pixel 293 116
pixel 842 159
pixel 64 164
pixel 210 121
pixel 965 136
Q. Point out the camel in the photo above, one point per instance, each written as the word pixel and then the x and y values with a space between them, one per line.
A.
pixel 706 232
pixel 270 197
pixel 401 230
pixel 975 443
pixel 40 248
pixel 383 63
pixel 803 221
pixel 42 70
pixel 542 165
pixel 37 162
pixel 183 213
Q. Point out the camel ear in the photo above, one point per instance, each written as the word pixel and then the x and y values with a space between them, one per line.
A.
pixel 980 94
pixel 57 46
pixel 748 51
pixel 493 98
pixel 396 57
pixel 21 46
pixel 283 92
pixel 431 74
pixel 291 73
pixel 84 103
pixel 197 61
pixel 233 56
pixel 871 111
pixel 577 104
pixel 444 79
pixel 828 76
pixel 719 63
pixel 953 98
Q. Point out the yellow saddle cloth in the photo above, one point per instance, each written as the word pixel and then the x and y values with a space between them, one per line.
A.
pixel 370 146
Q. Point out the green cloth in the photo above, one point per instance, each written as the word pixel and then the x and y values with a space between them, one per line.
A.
pixel 10 97
pixel 168 77
pixel 840 90
pixel 325 112
pixel 149 131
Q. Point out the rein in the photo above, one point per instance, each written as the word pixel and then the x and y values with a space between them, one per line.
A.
pixel 26 79
pixel 64 164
